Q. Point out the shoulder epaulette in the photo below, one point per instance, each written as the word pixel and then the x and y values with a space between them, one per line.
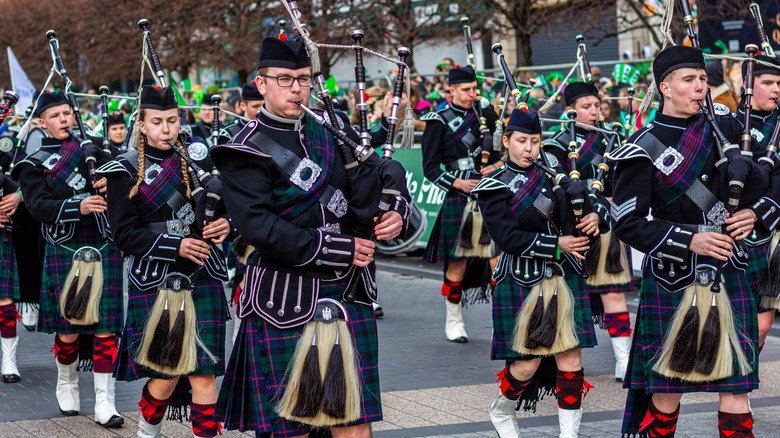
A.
pixel 432 116
pixel 551 159
pixel 113 166
pixel 242 142
pixel 491 183
pixel 638 147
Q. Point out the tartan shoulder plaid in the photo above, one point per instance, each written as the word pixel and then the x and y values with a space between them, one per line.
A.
pixel 525 195
pixel 768 128
pixel 159 185
pixel 320 146
pixel 453 138
pixel 695 146
pixel 592 148
pixel 71 155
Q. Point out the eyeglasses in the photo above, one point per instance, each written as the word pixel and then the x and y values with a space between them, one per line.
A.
pixel 287 81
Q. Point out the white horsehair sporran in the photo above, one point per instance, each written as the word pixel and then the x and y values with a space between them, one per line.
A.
pixel 323 386
pixel 170 341
pixel 83 287
pixel 473 238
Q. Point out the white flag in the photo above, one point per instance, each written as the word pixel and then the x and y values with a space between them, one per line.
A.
pixel 20 83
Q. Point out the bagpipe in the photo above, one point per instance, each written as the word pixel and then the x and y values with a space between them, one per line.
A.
pixel 325 393
pixel 104 119
pixel 755 11
pixel 702 343
pixel 170 343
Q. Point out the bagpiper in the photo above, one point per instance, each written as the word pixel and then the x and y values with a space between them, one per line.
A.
pixel 289 195
pixel 452 147
pixel 541 309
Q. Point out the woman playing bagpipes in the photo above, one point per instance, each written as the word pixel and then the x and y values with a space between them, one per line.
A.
pixel 176 302
pixel 541 310
pixel 82 281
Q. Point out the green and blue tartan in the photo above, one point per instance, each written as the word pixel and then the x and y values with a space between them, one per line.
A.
pixel 318 142
pixel 212 313
pixel 255 376
pixel 151 197
pixel 656 309
pixel 508 299
pixel 57 263
pixel 695 145
pixel 9 276
pixel 71 155
pixel 758 265
pixel 443 240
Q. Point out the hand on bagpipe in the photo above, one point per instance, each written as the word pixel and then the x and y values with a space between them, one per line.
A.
pixel 207 194
pixel 573 199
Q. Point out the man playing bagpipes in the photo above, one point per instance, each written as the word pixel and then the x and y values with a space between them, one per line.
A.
pixel 452 148
pixel 82 284
pixel 176 304
pixel 306 352
pixel 764 278
pixel 695 330
pixel 541 309
pixel 607 262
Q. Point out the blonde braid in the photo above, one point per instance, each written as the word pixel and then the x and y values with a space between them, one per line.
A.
pixel 185 173
pixel 141 166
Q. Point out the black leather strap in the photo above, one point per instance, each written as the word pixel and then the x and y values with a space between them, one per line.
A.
pixel 289 162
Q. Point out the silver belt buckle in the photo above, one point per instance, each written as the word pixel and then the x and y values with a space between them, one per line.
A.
pixel 338 204
pixel 177 227
pixel 465 163
pixel 717 214
pixel 297 176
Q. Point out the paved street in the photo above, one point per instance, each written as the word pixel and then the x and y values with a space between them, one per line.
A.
pixel 430 387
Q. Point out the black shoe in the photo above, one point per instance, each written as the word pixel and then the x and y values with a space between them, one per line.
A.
pixel 29 328
pixel 114 422
pixel 460 340
pixel 378 312
pixel 11 378
pixel 68 413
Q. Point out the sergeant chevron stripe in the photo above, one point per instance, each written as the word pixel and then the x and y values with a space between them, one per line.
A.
pixel 620 210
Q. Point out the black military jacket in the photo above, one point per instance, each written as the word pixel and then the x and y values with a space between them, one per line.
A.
pixel 296 254
pixel 441 164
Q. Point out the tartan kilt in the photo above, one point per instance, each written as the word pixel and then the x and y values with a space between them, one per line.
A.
pixel 656 309
pixel 255 376
pixel 212 313
pixel 56 265
pixel 9 276
pixel 508 299
pixel 443 240
pixel 758 264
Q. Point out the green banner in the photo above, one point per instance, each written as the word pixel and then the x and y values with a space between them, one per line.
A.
pixel 427 196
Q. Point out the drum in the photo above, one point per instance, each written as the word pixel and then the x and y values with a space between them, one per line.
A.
pixel 417 225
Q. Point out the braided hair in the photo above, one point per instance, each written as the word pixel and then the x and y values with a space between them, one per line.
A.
pixel 185 173
pixel 141 147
